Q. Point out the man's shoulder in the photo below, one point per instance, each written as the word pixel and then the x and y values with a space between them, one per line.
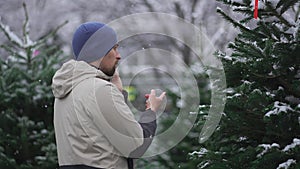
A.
pixel 104 86
pixel 102 82
pixel 92 83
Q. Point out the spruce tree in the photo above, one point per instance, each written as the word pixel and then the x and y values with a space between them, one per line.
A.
pixel 26 100
pixel 260 127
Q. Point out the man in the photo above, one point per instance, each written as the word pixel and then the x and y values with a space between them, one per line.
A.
pixel 94 127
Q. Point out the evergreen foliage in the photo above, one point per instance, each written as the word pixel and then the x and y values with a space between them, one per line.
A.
pixel 26 100
pixel 260 127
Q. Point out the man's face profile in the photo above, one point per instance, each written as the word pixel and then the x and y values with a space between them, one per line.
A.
pixel 110 61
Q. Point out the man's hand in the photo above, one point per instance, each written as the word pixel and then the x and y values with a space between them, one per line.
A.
pixel 154 102
pixel 116 80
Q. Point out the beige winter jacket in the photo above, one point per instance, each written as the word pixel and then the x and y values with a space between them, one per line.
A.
pixel 93 124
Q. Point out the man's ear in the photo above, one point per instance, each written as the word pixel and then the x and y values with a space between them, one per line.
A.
pixel 96 63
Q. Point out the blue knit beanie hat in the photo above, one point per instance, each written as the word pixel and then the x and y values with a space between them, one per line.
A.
pixel 93 40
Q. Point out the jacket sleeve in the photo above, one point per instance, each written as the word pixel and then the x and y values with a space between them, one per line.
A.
pixel 116 121
pixel 148 123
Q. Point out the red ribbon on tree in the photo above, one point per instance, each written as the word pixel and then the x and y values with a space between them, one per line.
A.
pixel 256 9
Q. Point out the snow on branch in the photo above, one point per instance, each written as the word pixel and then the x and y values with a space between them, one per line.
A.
pixel 11 35
pixel 24 43
pixel 234 96
pixel 296 142
pixel 266 148
pixel 278 108
pixel 199 153
pixel 286 164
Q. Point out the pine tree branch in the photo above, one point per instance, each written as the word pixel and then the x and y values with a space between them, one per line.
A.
pixel 282 82
pixel 280 3
pixel 265 76
pixel 288 87
pixel 297 13
pixel 274 12
pixel 245 11
pixel 6 30
pixel 194 4
pixel 236 24
pixel 25 31
pixel 287 5
pixel 52 33
pixel 247 48
pixel 149 6
pixel 233 3
pixel 179 10
pixel 12 52
pixel 254 48
pixel 265 30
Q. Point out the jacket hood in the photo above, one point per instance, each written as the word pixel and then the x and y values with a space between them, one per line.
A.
pixel 71 74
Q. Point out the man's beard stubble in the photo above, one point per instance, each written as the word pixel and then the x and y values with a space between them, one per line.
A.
pixel 109 72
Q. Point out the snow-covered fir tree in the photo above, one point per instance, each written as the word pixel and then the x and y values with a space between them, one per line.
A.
pixel 260 127
pixel 26 100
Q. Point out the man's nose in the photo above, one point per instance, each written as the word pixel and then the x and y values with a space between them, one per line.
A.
pixel 118 56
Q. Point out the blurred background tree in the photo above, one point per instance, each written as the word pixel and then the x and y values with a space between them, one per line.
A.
pixel 26 100
pixel 260 127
